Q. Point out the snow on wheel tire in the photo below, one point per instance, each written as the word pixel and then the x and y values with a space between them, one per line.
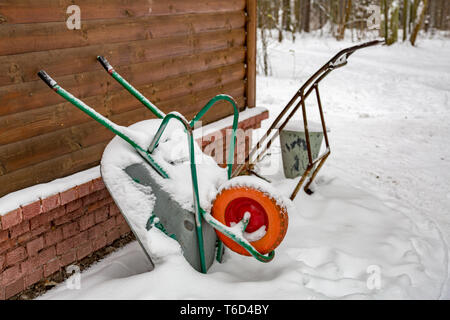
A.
pixel 268 221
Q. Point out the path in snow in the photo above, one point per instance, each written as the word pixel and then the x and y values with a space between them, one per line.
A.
pixel 377 196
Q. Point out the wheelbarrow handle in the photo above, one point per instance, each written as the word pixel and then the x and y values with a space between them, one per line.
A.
pixel 47 79
pixel 340 59
pixel 105 64
pixel 124 83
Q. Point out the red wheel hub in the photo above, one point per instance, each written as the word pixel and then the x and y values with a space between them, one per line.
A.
pixel 238 207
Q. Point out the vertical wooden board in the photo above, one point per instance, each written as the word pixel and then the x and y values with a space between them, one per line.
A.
pixel 251 53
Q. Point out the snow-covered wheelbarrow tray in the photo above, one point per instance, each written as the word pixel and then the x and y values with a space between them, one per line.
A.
pixel 146 182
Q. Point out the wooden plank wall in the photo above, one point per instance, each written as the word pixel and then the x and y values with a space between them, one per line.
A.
pixel 179 53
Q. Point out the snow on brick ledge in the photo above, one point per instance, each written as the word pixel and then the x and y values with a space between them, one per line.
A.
pixel 49 226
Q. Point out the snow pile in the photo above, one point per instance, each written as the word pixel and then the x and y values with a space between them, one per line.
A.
pixel 366 233
pixel 335 238
pixel 339 242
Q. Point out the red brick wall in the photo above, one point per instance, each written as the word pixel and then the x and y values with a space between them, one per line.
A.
pixel 38 239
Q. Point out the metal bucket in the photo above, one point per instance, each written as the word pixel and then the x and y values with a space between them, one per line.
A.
pixel 294 151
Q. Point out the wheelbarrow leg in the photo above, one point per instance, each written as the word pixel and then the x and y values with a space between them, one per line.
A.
pixel 324 157
pixel 300 183
pixel 313 176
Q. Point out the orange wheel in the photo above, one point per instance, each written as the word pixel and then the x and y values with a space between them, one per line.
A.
pixel 230 206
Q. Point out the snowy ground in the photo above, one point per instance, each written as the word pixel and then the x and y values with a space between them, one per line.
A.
pixel 381 206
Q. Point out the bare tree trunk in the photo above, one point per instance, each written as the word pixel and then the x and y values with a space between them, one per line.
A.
pixel 306 15
pixel 393 23
pixel 280 29
pixel 321 22
pixel 434 14
pixel 443 15
pixel 264 16
pixel 275 6
pixel 264 51
pixel 348 10
pixel 331 18
pixel 412 16
pixel 426 21
pixel 297 14
pixel 286 18
pixel 386 20
pixel 419 23
pixel 405 19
